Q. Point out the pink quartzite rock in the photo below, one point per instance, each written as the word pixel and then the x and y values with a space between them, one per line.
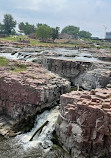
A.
pixel 84 127
pixel 24 93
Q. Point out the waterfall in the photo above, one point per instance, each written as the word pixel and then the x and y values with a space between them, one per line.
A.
pixel 42 138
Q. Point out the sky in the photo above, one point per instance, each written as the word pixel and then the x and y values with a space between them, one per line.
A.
pixel 89 15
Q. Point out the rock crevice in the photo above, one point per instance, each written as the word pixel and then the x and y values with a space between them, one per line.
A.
pixel 24 93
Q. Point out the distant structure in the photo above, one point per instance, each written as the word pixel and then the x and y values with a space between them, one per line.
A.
pixel 105 28
pixel 108 35
pixel 65 36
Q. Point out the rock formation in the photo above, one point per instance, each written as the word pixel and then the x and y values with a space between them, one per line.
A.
pixel 26 89
pixel 88 75
pixel 84 124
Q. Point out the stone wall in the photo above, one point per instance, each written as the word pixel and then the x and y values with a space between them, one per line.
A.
pixel 84 124
pixel 88 75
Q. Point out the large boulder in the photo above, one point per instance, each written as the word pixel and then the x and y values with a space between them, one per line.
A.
pixel 97 78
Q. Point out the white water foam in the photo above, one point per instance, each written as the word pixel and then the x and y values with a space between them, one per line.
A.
pixel 43 138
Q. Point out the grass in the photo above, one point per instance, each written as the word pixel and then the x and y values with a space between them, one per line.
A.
pixel 86 43
pixel 18 67
pixel 4 61
pixel 35 42
pixel 10 38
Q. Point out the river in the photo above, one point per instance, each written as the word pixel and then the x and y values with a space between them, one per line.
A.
pixel 41 146
pixel 29 54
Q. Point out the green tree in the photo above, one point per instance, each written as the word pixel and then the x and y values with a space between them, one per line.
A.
pixel 1 28
pixel 55 33
pixel 21 27
pixel 27 28
pixel 85 34
pixel 43 32
pixel 8 24
pixel 71 30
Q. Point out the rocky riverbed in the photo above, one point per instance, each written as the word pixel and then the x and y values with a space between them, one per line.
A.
pixel 27 89
pixel 36 54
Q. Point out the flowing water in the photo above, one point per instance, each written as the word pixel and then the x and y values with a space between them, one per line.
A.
pixel 21 147
pixel 29 54
pixel 9 56
pixel 41 145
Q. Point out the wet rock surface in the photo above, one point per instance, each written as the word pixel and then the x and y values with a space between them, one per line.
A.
pixel 67 68
pixel 101 54
pixel 24 93
pixel 83 127
pixel 88 75
pixel 9 148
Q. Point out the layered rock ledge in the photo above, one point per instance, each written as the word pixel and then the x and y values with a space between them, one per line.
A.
pixel 25 90
pixel 88 75
pixel 84 124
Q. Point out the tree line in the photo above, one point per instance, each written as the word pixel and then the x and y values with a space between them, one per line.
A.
pixel 42 31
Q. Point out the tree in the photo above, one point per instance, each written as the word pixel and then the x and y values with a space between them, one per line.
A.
pixel 55 33
pixel 1 28
pixel 8 24
pixel 85 34
pixel 43 32
pixel 27 28
pixel 21 27
pixel 71 30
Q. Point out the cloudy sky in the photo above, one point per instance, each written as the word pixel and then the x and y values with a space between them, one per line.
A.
pixel 89 15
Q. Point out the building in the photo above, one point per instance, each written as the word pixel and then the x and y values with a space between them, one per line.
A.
pixel 108 35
